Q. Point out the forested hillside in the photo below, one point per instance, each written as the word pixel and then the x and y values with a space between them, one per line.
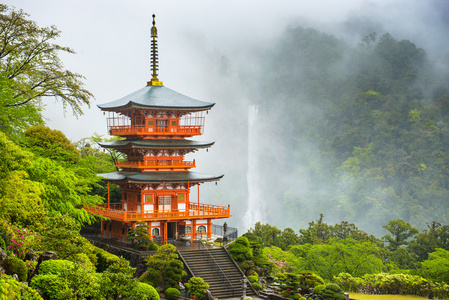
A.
pixel 359 133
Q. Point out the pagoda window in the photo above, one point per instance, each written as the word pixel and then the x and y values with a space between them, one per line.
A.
pixel 181 197
pixel 125 196
pixel 188 229
pixel 164 202
pixel 201 229
pixel 155 232
pixel 148 198
pixel 162 125
pixel 139 198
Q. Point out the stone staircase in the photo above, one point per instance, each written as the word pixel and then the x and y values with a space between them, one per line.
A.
pixel 219 270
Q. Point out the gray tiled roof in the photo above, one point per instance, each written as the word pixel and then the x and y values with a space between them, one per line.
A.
pixel 157 97
pixel 160 176
pixel 157 144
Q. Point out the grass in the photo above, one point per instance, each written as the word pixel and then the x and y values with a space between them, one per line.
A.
pixel 384 297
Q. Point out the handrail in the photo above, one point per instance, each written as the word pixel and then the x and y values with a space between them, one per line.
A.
pixel 231 286
pixel 194 212
pixel 225 247
pixel 185 263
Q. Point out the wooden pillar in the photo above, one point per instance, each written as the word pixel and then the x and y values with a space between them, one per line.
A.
pixel 209 228
pixel 165 232
pixel 188 198
pixel 194 229
pixel 109 194
pixel 101 229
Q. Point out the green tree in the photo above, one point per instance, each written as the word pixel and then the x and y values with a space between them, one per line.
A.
pixel 30 61
pixel 287 238
pixel 269 234
pixel 117 281
pixel 437 266
pixel 400 231
pixel 240 249
pixel 140 235
pixel 317 233
pixel 20 197
pixel 164 270
pixel 197 287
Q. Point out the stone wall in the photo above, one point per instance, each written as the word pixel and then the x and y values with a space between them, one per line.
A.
pixel 136 258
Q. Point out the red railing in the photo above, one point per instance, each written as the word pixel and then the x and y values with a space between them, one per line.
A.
pixel 156 164
pixel 195 211
pixel 182 130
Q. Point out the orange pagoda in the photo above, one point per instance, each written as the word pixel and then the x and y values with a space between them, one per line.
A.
pixel 155 179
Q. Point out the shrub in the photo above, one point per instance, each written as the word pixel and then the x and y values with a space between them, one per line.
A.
pixel 318 288
pixel 12 289
pixel 2 243
pixel 256 286
pixel 331 292
pixel 104 259
pixel 172 293
pixel 55 266
pixel 52 286
pixel 153 247
pixel 197 287
pixel 240 249
pixel 309 280
pixel 144 291
pixel 254 277
pixel 14 265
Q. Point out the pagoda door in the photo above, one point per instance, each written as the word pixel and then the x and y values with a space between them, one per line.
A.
pixel 162 125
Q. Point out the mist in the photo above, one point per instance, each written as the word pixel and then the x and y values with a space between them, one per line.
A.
pixel 248 62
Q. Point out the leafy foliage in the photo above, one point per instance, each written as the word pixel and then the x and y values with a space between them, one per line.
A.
pixel 164 269
pixel 30 60
pixel 240 249
pixel 10 288
pixel 14 265
pixel 197 287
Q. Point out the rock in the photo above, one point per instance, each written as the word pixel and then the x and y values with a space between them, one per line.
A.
pixel 3 256
pixel 31 255
pixel 47 255
pixel 16 277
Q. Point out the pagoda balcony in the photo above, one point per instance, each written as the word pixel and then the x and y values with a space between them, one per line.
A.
pixel 156 130
pixel 194 212
pixel 157 164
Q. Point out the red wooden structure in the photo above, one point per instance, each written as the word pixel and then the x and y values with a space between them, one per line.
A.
pixel 155 180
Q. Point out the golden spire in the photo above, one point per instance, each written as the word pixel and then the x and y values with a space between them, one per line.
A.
pixel 154 58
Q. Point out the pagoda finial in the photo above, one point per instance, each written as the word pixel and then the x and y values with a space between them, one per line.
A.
pixel 154 56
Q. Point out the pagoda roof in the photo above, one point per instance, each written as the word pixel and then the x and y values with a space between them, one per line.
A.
pixel 157 144
pixel 142 177
pixel 156 97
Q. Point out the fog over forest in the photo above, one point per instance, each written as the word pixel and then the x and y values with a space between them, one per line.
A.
pixel 290 123
pixel 341 111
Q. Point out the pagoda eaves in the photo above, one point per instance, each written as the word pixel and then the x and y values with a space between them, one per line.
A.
pixel 157 98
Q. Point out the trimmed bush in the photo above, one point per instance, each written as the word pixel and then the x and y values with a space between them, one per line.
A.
pixel 318 288
pixel 104 259
pixel 256 286
pixel 197 287
pixel 52 286
pixel 14 265
pixel 12 289
pixel 145 292
pixel 172 293
pixel 153 247
pixel 331 292
pixel 55 266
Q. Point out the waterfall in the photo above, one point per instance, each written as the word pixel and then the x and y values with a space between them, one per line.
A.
pixel 254 210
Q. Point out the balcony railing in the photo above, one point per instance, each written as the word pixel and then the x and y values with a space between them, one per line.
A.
pixel 157 130
pixel 156 164
pixel 195 211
